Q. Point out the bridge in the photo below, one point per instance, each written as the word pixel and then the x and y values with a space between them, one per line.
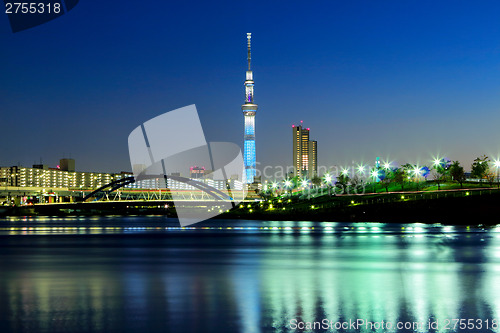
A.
pixel 116 198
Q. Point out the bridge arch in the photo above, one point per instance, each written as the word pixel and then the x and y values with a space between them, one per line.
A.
pixel 119 183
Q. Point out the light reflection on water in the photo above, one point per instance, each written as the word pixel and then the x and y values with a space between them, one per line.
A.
pixel 115 274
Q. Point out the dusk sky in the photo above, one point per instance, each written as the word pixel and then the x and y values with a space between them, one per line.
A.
pixel 403 80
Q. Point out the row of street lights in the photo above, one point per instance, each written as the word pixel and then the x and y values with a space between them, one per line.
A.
pixel 378 173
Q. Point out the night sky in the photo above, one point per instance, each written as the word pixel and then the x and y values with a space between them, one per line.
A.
pixel 404 80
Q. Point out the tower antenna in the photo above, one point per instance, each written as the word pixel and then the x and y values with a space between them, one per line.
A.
pixel 249 44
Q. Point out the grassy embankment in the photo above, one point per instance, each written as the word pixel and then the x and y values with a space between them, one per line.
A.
pixel 473 204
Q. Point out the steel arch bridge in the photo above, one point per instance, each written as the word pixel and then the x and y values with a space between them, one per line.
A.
pixel 205 191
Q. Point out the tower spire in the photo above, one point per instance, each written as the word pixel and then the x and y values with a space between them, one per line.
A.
pixel 249 110
pixel 249 45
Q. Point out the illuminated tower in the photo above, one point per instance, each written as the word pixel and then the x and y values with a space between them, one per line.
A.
pixel 249 110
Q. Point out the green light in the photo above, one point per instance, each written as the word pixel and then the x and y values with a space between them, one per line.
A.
pixel 312 206
pixel 402 197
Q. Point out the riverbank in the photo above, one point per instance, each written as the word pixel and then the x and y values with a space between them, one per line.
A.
pixel 458 207
pixel 462 207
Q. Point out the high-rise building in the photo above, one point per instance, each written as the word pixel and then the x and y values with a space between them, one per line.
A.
pixel 249 111
pixel 313 158
pixel 67 164
pixel 196 172
pixel 305 153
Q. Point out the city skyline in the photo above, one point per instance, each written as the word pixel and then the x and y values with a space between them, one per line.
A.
pixel 428 88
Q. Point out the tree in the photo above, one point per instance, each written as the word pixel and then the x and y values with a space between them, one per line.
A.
pixel 490 176
pixel 457 173
pixel 408 170
pixel 480 167
pixel 400 177
pixel 316 181
pixel 388 179
pixel 357 184
pixel 295 181
pixel 442 168
pixel 342 181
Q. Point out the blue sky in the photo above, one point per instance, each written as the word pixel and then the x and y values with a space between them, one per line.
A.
pixel 404 80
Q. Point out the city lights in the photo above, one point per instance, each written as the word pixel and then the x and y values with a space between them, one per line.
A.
pixel 361 169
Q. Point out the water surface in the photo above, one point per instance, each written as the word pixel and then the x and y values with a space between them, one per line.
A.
pixel 146 274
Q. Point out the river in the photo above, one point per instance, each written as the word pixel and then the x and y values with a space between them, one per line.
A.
pixel 147 274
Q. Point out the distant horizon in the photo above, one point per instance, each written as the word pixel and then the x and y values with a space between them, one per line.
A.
pixel 277 169
pixel 400 80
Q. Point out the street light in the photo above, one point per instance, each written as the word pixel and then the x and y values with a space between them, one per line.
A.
pixel 288 185
pixel 328 178
pixel 328 181
pixel 374 174
pixel 417 171
pixel 438 161
pixel 497 165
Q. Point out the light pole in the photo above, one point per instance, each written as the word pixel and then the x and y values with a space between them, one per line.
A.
pixel 374 174
pixel 328 181
pixel 417 172
pixel 497 165
pixel 361 170
pixel 288 185
pixel 275 187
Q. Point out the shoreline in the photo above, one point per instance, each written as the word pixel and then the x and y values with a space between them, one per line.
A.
pixel 463 207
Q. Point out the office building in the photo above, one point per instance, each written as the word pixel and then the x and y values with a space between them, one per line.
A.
pixel 305 153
